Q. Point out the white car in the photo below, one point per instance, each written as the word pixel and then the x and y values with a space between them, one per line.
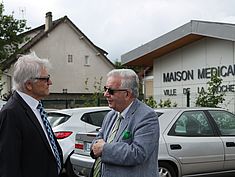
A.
pixel 67 122
pixel 193 142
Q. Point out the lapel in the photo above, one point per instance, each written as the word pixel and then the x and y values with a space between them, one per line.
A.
pixel 127 119
pixel 31 116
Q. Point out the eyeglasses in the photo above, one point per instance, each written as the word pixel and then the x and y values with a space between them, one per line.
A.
pixel 46 78
pixel 112 91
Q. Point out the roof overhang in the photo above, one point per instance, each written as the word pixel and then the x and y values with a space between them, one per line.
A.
pixel 186 34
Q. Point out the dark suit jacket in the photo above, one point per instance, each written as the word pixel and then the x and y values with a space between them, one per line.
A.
pixel 24 148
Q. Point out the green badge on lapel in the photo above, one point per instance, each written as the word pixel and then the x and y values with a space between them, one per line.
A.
pixel 126 135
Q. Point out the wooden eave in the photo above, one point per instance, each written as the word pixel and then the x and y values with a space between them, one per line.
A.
pixel 147 59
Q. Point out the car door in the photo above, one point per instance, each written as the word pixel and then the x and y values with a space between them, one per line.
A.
pixel 225 122
pixel 192 141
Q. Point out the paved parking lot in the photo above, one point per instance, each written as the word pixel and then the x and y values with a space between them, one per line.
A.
pixel 230 175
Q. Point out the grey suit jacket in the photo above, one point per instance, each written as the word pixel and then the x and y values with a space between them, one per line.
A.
pixel 134 151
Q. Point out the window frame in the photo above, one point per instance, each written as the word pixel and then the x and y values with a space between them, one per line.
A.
pixel 218 130
pixel 206 117
pixel 70 58
pixel 87 60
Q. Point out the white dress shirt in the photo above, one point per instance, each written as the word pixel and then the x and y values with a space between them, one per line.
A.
pixel 33 103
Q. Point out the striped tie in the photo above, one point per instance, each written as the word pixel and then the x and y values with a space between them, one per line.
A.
pixel 50 134
pixel 110 139
pixel 115 129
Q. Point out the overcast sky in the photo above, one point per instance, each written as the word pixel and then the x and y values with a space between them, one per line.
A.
pixel 118 26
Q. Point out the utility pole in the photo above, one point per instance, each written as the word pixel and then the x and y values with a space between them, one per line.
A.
pixel 188 98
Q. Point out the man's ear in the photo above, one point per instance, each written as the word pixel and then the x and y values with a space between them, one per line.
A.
pixel 128 94
pixel 28 85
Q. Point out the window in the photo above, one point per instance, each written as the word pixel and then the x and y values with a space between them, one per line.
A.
pixel 70 58
pixel 225 122
pixel 56 119
pixel 87 62
pixel 94 118
pixel 193 124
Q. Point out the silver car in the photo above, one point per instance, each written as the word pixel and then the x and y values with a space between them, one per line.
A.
pixel 193 142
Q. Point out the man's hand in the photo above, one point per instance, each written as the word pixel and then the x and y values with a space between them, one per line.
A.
pixel 97 147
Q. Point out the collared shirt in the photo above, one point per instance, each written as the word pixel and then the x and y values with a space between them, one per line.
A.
pixel 33 103
pixel 124 112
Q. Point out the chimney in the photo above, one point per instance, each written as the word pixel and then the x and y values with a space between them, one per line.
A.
pixel 48 23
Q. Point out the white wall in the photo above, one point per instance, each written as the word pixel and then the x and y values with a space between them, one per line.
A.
pixel 64 41
pixel 206 53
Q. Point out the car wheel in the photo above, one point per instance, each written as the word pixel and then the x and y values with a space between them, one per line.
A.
pixel 166 170
pixel 69 169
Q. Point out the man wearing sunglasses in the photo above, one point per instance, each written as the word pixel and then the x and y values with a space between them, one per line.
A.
pixel 26 148
pixel 127 143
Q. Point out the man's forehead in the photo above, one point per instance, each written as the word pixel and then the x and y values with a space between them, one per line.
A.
pixel 113 81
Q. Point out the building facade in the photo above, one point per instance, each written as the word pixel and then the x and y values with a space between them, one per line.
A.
pixel 190 68
pixel 77 63
pixel 184 59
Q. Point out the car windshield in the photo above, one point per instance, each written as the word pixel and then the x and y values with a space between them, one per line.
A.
pixel 56 119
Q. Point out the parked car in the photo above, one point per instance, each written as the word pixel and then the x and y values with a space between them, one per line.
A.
pixel 67 122
pixel 193 141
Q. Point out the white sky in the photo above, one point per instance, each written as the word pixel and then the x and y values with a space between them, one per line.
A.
pixel 118 26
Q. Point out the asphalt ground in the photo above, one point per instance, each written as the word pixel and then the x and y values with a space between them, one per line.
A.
pixel 229 175
pixel 219 175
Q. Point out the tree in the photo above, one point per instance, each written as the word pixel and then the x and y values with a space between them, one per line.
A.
pixel 10 38
pixel 10 30
pixel 118 65
pixel 212 97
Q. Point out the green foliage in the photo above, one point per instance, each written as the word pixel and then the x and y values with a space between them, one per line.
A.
pixel 118 65
pixel 10 28
pixel 212 97
pixel 6 96
pixel 94 100
pixel 163 104
pixel 166 104
pixel 151 102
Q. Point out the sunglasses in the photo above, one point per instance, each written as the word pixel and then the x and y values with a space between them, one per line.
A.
pixel 112 91
pixel 47 78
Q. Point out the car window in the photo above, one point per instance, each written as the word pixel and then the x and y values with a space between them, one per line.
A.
pixel 95 118
pixel 192 123
pixel 225 122
pixel 56 119
pixel 159 114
